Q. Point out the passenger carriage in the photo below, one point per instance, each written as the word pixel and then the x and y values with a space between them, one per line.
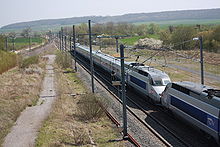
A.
pixel 193 103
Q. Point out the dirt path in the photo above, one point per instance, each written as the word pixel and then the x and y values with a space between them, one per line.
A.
pixel 25 130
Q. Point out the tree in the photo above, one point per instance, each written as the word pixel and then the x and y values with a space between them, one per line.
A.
pixel 26 32
pixel 216 33
pixel 141 30
pixel 165 36
pixel 153 28
pixel 2 42
pixel 182 34
pixel 12 35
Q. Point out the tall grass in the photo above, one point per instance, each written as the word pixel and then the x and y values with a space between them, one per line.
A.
pixel 7 61
pixel 63 59
pixel 26 62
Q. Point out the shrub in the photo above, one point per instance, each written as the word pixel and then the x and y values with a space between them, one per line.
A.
pixel 29 61
pixel 7 61
pixel 90 107
pixel 63 59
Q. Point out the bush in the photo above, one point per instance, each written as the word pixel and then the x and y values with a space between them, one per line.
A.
pixel 7 61
pixel 90 107
pixel 29 61
pixel 63 59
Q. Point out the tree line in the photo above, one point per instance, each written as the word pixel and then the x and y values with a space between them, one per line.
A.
pixel 176 36
pixel 172 36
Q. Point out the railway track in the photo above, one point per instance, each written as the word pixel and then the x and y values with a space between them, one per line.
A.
pixel 172 132
pixel 167 130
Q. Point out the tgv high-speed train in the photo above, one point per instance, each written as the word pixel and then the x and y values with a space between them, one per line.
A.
pixel 195 103
pixel 144 79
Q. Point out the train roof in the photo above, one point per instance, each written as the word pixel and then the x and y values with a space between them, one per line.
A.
pixel 196 87
pixel 202 92
pixel 155 73
pixel 101 54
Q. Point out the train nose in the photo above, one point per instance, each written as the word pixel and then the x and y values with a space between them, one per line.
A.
pixel 159 89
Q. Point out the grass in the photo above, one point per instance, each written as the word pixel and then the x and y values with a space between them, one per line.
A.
pixel 166 24
pixel 133 40
pixel 22 42
pixel 18 90
pixel 63 59
pixel 175 74
pixel 7 61
pixel 26 62
pixel 65 127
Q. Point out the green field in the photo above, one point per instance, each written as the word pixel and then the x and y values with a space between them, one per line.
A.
pixel 132 40
pixel 24 42
pixel 165 24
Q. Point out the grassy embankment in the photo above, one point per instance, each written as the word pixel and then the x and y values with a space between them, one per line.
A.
pixel 76 120
pixel 19 88
pixel 7 61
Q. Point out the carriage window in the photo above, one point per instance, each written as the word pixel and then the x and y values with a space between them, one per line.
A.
pixel 143 73
pixel 180 88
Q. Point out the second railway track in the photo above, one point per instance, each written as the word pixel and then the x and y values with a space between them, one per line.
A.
pixel 145 115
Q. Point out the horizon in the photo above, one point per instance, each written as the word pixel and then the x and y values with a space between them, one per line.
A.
pixel 105 15
pixel 25 10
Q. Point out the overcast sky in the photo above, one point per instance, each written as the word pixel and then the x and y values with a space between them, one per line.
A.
pixel 12 11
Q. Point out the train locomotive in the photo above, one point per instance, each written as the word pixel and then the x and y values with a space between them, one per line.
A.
pixel 147 80
pixel 197 104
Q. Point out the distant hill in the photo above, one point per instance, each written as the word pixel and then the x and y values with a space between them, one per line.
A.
pixel 130 18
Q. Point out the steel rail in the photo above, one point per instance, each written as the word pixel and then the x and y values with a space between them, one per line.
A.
pixel 82 64
pixel 145 124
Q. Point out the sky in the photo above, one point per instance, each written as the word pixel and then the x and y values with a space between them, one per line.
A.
pixel 13 11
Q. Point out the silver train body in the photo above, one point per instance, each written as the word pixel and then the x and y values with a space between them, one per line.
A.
pixel 193 103
pixel 190 101
pixel 146 80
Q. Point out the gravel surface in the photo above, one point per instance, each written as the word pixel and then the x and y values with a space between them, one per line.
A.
pixel 25 130
pixel 135 128
pixel 190 135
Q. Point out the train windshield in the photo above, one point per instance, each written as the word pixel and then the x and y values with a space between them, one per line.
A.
pixel 166 82
pixel 158 83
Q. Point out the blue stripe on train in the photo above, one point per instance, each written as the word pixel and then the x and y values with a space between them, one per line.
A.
pixel 203 117
pixel 138 82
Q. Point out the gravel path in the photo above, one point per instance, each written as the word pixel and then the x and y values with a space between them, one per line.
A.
pixel 25 130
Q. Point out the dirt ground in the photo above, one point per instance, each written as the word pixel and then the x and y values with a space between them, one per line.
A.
pixel 24 132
